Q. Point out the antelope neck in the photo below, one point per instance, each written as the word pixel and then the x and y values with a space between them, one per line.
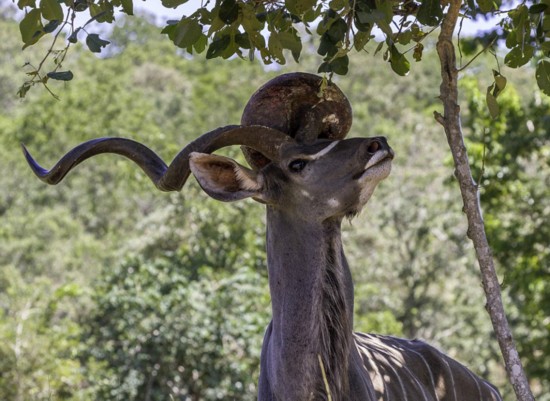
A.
pixel 312 301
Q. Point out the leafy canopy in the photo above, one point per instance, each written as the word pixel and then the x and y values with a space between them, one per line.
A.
pixel 270 29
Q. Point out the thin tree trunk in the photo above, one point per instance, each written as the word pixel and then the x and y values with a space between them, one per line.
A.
pixel 450 120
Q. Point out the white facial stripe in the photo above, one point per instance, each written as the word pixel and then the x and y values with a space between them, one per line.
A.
pixel 323 152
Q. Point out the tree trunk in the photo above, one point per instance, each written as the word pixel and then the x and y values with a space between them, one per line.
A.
pixel 450 120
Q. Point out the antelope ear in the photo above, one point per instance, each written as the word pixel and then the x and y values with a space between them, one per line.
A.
pixel 223 178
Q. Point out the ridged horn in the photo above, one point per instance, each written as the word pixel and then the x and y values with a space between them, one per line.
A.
pixel 267 141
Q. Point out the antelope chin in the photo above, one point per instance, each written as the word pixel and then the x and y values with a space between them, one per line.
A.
pixel 378 167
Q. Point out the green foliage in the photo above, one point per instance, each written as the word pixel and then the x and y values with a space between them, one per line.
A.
pixel 543 75
pixel 430 12
pixel 246 29
pixel 510 157
pixel 162 334
pixel 39 339
pixel 95 43
pixel 31 28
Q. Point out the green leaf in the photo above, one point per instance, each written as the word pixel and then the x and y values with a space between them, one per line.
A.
pixel 519 56
pixel 95 43
pixel 405 37
pixel 337 30
pixel 299 7
pixel 22 91
pixel 249 20
pixel 242 40
pixel 170 29
pixel 61 75
pixel 217 47
pixel 216 25
pixel 500 83
pixel 327 47
pixel 173 3
pixel 52 26
pixel 26 3
pixel 398 61
pixel 127 6
pixel 291 41
pixel 337 4
pixel 361 26
pixel 430 12
pixel 521 26
pixel 313 14
pixel 339 65
pixel 31 28
pixel 511 39
pixel 538 8
pixel 74 36
pixel 186 33
pixel 417 54
pixel 102 12
pixel 486 5
pixel 493 92
pixel 200 44
pixel 276 48
pixel 542 74
pixel 386 8
pixel 257 39
pixel 417 33
pixel 492 105
pixel 360 40
pixel 80 5
pixel 229 11
pixel 231 49
pixel 378 17
pixel 378 48
pixel 51 10
pixel 545 47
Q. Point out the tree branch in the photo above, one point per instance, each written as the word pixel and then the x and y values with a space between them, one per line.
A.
pixel 450 120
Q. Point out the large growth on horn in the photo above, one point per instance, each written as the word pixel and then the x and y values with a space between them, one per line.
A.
pixel 303 106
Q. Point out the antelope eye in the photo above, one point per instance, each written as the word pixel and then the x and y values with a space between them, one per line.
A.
pixel 297 165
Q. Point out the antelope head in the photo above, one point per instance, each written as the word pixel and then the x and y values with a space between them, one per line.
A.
pixel 316 181
pixel 292 136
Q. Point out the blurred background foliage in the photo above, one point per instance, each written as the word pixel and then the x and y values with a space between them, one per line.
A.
pixel 111 290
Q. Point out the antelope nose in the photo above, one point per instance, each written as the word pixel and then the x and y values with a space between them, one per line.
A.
pixel 373 147
pixel 378 143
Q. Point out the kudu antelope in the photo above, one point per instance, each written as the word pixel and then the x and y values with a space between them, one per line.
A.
pixel 310 178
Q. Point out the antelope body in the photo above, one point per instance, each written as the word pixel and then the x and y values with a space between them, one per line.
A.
pixel 310 178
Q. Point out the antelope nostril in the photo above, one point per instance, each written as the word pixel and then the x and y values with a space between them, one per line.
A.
pixel 374 146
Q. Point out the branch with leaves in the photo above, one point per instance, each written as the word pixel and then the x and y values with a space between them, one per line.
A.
pixel 57 19
pixel 268 29
pixel 450 120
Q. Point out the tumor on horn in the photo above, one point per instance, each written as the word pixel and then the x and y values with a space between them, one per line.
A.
pixel 297 105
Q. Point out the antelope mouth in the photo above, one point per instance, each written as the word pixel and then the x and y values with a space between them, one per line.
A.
pixel 380 157
pixel 378 166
